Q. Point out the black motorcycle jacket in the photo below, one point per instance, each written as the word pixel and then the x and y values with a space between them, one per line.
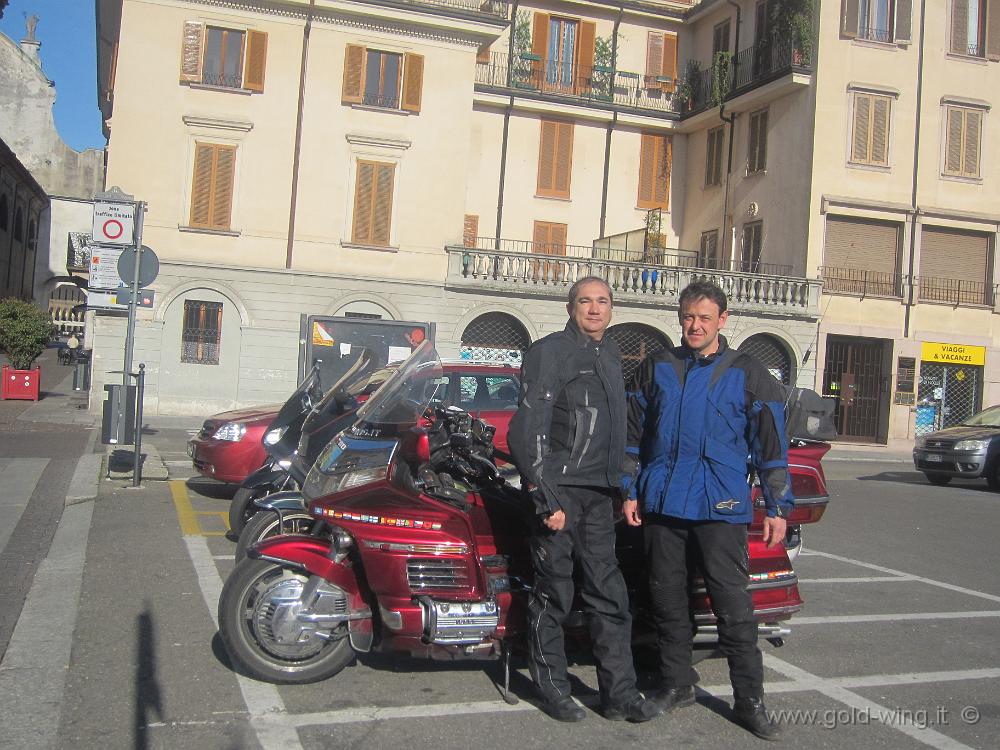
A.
pixel 570 426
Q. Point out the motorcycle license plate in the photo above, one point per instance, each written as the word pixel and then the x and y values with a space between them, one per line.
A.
pixel 934 457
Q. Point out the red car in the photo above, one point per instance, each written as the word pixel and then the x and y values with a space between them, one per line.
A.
pixel 228 447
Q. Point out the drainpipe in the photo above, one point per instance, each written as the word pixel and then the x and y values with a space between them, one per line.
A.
pixel 739 16
pixel 298 133
pixel 506 124
pixel 916 164
pixel 729 171
pixel 611 125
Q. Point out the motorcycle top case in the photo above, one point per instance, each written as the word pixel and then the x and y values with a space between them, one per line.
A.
pixel 809 416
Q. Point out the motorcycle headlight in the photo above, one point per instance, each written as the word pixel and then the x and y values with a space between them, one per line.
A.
pixel 972 445
pixel 360 477
pixel 231 431
pixel 273 436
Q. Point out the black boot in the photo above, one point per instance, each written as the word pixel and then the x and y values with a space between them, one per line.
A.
pixel 637 710
pixel 751 714
pixel 675 697
pixel 564 708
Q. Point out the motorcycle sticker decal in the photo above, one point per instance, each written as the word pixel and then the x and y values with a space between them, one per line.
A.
pixel 406 523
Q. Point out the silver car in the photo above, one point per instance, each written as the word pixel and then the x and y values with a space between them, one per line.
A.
pixel 970 450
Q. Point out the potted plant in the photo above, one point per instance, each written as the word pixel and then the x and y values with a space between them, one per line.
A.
pixel 25 330
pixel 722 77
pixel 792 21
pixel 687 86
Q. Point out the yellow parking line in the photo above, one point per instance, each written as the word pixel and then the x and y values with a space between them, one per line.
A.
pixel 188 516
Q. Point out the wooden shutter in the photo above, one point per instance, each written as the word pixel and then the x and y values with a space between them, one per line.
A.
pixel 953 254
pixel 960 27
pixel 555 159
pixel 904 15
pixel 654 171
pixel 413 81
pixel 539 47
pixel 470 230
pixel 212 186
pixel 862 125
pixel 849 15
pixel 993 30
pixel 373 203
pixel 192 41
pixel 880 130
pixel 540 237
pixel 953 145
pixel 861 244
pixel 669 63
pixel 970 145
pixel 483 54
pixel 354 65
pixel 256 57
pixel 654 58
pixel 585 56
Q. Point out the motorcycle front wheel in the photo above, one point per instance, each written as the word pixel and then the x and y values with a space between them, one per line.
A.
pixel 242 509
pixel 265 524
pixel 265 639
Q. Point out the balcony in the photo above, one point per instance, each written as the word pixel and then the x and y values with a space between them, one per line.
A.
pixel 755 66
pixel 469 8
pixel 594 86
pixel 954 291
pixel 515 267
pixel 857 282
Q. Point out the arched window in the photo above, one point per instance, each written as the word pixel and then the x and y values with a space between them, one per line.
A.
pixel 495 337
pixel 636 341
pixel 4 213
pixel 773 354
pixel 18 225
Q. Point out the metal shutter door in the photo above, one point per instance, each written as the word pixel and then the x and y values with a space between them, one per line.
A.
pixel 952 254
pixel 861 244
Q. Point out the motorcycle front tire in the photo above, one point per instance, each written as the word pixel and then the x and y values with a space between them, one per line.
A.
pixel 242 509
pixel 264 524
pixel 252 648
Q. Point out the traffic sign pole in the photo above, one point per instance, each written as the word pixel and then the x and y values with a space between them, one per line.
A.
pixel 140 209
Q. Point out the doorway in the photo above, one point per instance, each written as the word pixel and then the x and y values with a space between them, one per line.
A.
pixel 857 374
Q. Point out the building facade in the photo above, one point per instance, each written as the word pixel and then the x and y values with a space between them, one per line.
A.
pixel 24 207
pixel 447 161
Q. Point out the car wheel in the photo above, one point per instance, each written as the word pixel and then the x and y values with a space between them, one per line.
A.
pixel 938 479
pixel 993 476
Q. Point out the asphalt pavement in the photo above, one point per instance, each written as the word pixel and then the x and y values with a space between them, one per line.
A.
pixel 115 641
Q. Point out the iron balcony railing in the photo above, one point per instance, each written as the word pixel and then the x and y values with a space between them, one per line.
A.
pixel 664 256
pixel 754 66
pixel 954 291
pixel 596 84
pixel 488 7
pixel 489 268
pixel 856 281
pixel 875 34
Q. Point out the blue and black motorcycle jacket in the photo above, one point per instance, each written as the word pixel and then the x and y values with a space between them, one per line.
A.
pixel 570 425
pixel 697 424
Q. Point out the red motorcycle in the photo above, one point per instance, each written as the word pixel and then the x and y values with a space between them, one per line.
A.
pixel 421 547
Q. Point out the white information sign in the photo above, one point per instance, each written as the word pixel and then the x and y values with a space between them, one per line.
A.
pixel 104 267
pixel 105 301
pixel 114 223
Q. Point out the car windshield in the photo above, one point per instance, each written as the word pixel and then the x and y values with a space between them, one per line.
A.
pixel 986 418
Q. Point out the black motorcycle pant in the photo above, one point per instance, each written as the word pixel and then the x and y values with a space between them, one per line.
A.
pixel 672 545
pixel 588 540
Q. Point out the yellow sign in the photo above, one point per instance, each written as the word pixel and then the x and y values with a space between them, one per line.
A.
pixel 957 354
pixel 320 336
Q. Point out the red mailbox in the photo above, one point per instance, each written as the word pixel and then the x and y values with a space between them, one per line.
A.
pixel 21 384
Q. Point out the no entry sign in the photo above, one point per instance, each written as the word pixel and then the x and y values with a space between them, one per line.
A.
pixel 114 223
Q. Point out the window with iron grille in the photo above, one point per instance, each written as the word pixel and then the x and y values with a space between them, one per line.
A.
pixel 636 342
pixel 201 335
pixel 710 249
pixel 221 57
pixel 753 242
pixel 495 337
pixel 771 353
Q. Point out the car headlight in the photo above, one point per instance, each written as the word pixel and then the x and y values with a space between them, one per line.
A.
pixel 273 436
pixel 231 431
pixel 972 445
pixel 919 442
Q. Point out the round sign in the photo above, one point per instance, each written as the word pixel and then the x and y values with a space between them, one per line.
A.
pixel 149 266
pixel 113 229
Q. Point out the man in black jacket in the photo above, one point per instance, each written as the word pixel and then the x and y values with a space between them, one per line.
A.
pixel 568 441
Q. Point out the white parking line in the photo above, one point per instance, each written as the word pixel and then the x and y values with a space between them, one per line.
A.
pixel 898 617
pixel 860 579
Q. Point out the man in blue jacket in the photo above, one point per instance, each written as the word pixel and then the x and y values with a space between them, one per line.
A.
pixel 697 413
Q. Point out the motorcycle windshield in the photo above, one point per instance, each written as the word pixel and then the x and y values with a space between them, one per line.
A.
pixel 402 400
pixel 348 462
pixel 299 402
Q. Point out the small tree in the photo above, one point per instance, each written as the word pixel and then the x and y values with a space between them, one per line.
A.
pixel 24 332
pixel 722 76
pixel 794 20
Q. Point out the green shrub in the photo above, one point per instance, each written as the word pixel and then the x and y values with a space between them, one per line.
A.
pixel 24 331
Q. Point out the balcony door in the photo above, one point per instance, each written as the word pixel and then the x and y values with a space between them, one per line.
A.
pixel 560 54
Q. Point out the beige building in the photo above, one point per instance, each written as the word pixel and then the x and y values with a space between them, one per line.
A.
pixel 455 162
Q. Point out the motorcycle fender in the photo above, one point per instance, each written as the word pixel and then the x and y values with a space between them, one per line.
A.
pixel 265 476
pixel 282 501
pixel 312 555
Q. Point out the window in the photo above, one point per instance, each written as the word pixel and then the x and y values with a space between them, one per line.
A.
pixel 549 238
pixel 757 142
pixel 975 28
pixel 555 159
pixel 564 48
pixel 877 20
pixel 963 134
pixel 18 225
pixel 862 257
pixel 488 392
pixel 32 234
pixel 713 157
pixel 212 186
pixel 223 57
pixel 720 38
pixel 388 80
pixel 709 251
pixel 373 203
pixel 202 332
pixel 870 139
pixel 753 239
pixel 654 171
pixel 661 61
pixel 4 213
